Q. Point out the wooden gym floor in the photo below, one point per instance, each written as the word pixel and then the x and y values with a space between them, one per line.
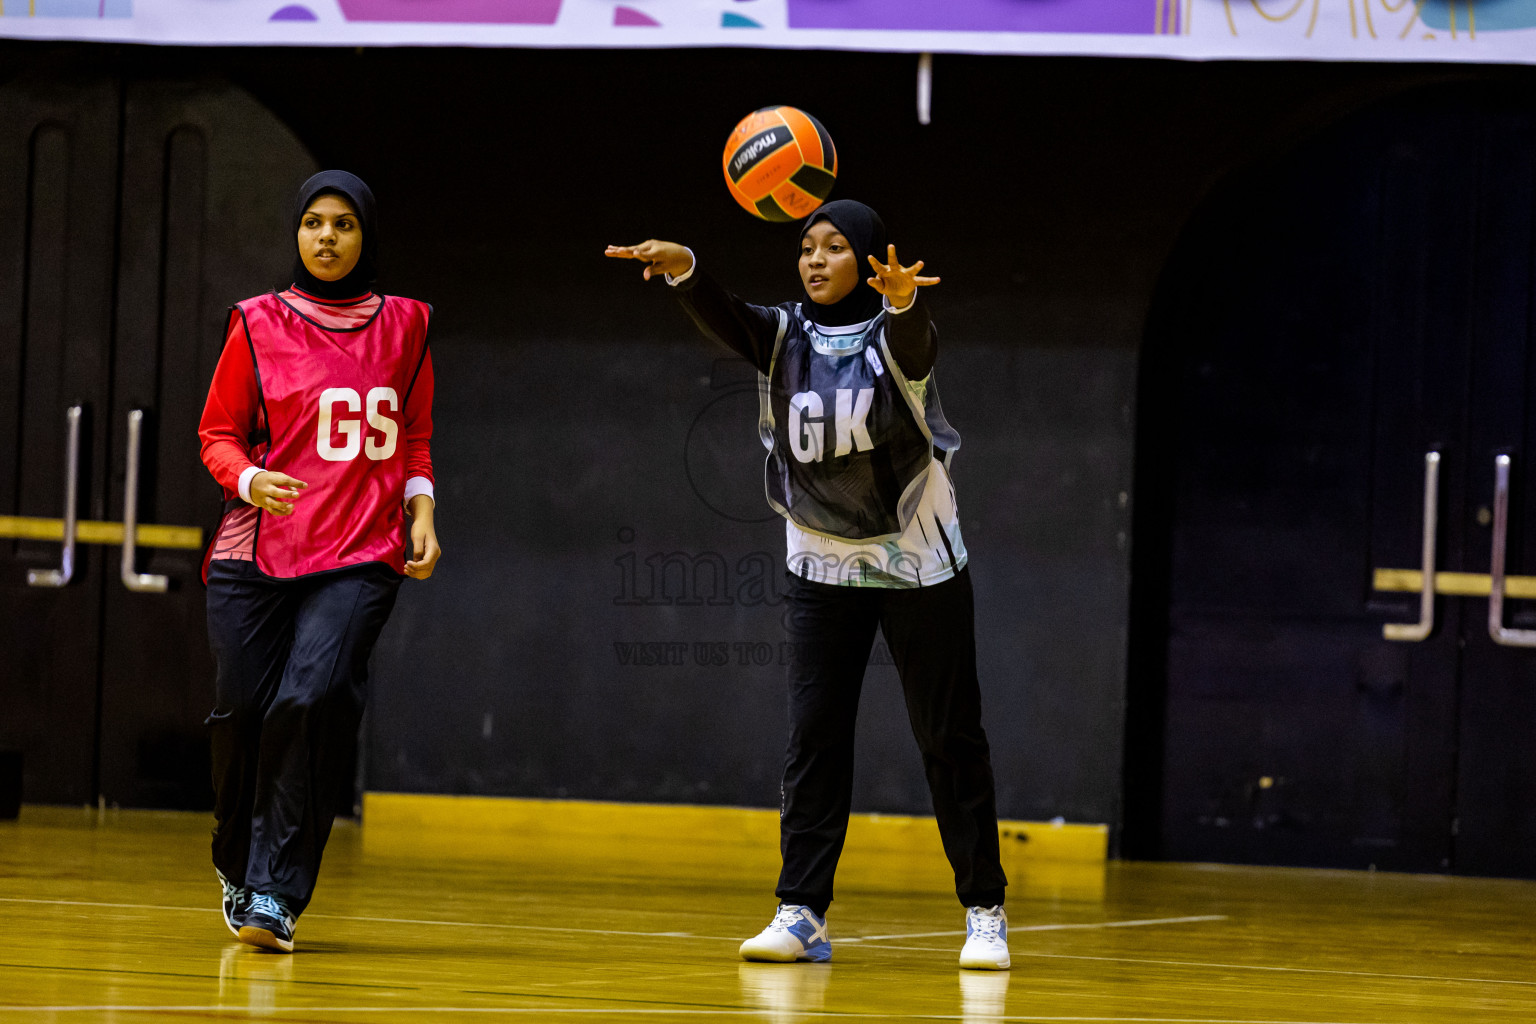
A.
pixel 114 918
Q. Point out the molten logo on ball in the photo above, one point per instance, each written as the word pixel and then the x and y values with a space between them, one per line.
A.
pixel 780 164
pixel 752 150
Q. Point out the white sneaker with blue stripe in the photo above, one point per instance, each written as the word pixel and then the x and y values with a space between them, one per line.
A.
pixel 795 933
pixel 986 940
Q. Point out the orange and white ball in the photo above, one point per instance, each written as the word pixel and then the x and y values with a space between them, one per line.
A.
pixel 780 164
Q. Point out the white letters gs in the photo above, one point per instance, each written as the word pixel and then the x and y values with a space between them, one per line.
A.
pixel 336 403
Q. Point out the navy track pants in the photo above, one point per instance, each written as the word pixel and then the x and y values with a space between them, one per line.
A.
pixel 931 635
pixel 292 679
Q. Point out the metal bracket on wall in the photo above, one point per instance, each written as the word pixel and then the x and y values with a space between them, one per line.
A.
pixel 61 576
pixel 1495 585
pixel 72 531
pixel 1501 633
pixel 140 582
pixel 1417 632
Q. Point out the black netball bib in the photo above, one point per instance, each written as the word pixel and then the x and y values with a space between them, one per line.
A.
pixel 849 438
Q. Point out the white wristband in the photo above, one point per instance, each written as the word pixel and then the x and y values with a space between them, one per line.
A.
pixel 685 275
pixel 419 485
pixel 246 477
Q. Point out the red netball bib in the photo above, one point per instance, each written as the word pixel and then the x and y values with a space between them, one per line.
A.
pixel 334 400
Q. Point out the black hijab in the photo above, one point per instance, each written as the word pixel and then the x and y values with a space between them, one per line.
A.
pixel 865 232
pixel 355 191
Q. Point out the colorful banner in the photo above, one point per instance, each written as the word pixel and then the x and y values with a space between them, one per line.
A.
pixel 1502 31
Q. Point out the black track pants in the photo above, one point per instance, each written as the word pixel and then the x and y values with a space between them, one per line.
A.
pixel 931 635
pixel 292 677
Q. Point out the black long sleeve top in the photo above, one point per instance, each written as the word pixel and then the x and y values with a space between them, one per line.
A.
pixel 749 330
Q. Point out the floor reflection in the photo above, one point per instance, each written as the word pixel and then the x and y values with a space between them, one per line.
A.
pixel 983 996
pixel 252 979
pixel 785 993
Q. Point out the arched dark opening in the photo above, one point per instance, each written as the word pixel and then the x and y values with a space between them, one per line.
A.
pixel 138 206
pixel 1327 320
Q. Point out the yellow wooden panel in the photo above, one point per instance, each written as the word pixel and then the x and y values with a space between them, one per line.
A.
pixel 1453 584
pixel 498 818
pixel 883 851
pixel 89 531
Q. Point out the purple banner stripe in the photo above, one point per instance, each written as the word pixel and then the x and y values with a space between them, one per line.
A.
pixel 483 12
pixel 1107 17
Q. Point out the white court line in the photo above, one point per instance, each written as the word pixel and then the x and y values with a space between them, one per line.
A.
pixel 721 1012
pixel 601 931
pixel 1291 970
pixel 737 938
pixel 1231 967
pixel 390 920
pixel 1049 927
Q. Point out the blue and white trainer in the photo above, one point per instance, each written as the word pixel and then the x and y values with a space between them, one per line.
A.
pixel 237 901
pixel 986 940
pixel 268 924
pixel 795 933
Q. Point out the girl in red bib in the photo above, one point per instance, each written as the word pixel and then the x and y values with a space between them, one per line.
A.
pixel 318 427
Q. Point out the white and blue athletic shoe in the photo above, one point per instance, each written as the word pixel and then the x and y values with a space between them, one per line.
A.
pixel 268 924
pixel 986 940
pixel 237 901
pixel 795 933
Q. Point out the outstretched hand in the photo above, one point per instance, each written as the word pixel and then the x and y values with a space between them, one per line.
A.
pixel 895 281
pixel 659 257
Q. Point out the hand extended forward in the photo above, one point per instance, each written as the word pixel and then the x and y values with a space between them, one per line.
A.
pixel 895 281
pixel 659 257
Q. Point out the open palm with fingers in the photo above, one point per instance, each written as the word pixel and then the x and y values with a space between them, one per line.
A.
pixel 895 281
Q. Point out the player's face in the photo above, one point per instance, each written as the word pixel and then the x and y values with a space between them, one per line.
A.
pixel 330 238
pixel 828 267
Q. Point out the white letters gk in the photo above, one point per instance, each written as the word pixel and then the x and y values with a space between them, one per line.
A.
pixel 807 426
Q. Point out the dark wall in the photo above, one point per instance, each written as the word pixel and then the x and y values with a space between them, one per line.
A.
pixel 586 435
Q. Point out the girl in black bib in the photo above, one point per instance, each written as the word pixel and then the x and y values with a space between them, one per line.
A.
pixel 858 456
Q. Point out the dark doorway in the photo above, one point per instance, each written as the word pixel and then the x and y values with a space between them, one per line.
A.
pixel 1328 321
pixel 138 208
